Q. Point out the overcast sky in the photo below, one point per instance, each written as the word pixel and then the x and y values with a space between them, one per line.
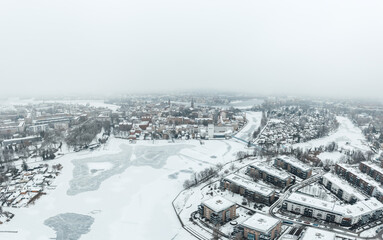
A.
pixel 327 47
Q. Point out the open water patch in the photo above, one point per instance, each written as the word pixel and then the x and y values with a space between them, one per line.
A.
pixel 70 226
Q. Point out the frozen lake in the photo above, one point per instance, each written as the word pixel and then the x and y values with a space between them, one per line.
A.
pixel 127 190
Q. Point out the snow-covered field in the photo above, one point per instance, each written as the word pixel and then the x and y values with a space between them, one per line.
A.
pixel 253 122
pixel 126 189
pixel 347 136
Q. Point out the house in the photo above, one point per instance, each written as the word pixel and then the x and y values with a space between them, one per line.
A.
pixel 218 210
pixel 260 227
pixel 294 166
pixel 248 189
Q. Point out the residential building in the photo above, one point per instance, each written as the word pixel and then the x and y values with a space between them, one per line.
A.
pixel 249 189
pixel 294 166
pixel 217 210
pixel 359 213
pixel 341 188
pixel 317 234
pixel 260 227
pixel 270 174
pixel 360 180
pixel 373 170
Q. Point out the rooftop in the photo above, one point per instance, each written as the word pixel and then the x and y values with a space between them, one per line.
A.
pixel 317 234
pixel 260 223
pixel 271 170
pixel 250 185
pixel 342 184
pixel 362 176
pixel 296 163
pixel 374 167
pixel 218 204
pixel 357 209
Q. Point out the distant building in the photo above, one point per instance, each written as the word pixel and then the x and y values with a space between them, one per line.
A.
pixel 218 210
pixel 38 128
pixel 260 227
pixel 294 166
pixel 248 189
pixel 269 174
pixel 9 128
pixel 219 131
pixel 25 140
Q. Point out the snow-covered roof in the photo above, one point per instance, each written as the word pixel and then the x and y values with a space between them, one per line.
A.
pixel 362 207
pixel 362 176
pixel 374 167
pixel 318 234
pixel 306 200
pixel 296 163
pixel 355 210
pixel 218 204
pixel 342 184
pixel 249 185
pixel 261 223
pixel 271 170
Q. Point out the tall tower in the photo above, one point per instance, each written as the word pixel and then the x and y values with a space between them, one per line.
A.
pixel 192 103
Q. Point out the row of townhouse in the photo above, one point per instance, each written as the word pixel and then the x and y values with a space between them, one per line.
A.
pixel 359 213
pixel 360 180
pixel 293 166
pixel 219 211
pixel 270 174
pixel 341 188
pixel 248 189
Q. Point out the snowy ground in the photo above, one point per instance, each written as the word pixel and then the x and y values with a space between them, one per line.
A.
pixel 253 122
pixel 334 157
pixel 127 189
pixel 371 232
pixel 347 136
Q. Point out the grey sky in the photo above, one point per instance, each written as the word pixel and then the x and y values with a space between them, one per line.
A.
pixel 327 47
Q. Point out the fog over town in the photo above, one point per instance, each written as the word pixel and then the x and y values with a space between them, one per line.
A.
pixel 191 120
pixel 326 48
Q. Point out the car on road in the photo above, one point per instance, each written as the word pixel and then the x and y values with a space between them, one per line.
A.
pixel 315 225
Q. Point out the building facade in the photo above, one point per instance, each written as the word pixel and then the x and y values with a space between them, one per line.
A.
pixel 269 174
pixel 293 166
pixel 217 210
pixel 359 213
pixel 260 227
pixel 248 189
